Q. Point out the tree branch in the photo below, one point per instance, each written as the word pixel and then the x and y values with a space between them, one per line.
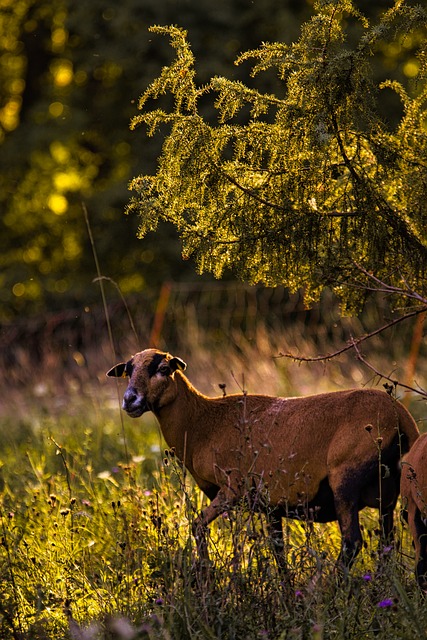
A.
pixel 394 382
pixel 383 287
pixel 353 343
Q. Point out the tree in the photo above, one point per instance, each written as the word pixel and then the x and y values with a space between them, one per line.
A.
pixel 69 76
pixel 306 186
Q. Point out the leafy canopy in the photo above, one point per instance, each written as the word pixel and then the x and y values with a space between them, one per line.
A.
pixel 303 186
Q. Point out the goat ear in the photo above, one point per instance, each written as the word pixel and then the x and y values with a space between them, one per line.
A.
pixel 177 363
pixel 119 371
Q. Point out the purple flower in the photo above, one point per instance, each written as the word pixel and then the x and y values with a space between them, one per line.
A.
pixel 159 601
pixel 367 577
pixel 384 604
pixel 298 594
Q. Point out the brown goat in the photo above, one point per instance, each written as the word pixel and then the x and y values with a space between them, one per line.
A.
pixel 319 457
pixel 413 487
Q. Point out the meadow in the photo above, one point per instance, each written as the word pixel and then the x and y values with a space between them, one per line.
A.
pixel 96 513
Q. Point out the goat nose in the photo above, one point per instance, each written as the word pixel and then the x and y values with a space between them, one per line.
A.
pixel 129 397
pixel 134 403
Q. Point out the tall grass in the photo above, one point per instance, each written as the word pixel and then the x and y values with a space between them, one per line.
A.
pixel 94 545
pixel 96 515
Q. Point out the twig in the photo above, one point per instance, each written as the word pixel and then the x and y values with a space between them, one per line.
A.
pixel 352 342
pixel 113 282
pixel 100 280
pixel 383 287
pixel 378 373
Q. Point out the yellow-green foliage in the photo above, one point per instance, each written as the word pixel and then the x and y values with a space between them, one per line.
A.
pixel 295 187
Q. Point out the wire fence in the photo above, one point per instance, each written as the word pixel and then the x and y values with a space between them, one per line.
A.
pixel 205 321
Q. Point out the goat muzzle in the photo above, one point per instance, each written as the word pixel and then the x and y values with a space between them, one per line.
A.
pixel 133 403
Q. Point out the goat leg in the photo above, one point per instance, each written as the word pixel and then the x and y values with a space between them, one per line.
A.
pixel 224 500
pixel 389 492
pixel 419 533
pixel 199 531
pixel 275 531
pixel 348 520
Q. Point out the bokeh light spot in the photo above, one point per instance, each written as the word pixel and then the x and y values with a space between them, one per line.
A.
pixel 56 109
pixel 18 289
pixel 58 204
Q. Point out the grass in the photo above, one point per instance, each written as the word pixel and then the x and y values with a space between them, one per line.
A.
pixel 96 517
pixel 95 543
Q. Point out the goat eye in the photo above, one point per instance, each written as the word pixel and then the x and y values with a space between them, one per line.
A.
pixel 164 369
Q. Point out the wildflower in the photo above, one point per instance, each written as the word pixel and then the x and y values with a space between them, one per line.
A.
pixel 385 604
pixel 367 577
pixel 104 475
pixel 298 594
pixel 159 601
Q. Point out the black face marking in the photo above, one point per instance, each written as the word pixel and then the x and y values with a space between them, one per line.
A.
pixel 154 364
